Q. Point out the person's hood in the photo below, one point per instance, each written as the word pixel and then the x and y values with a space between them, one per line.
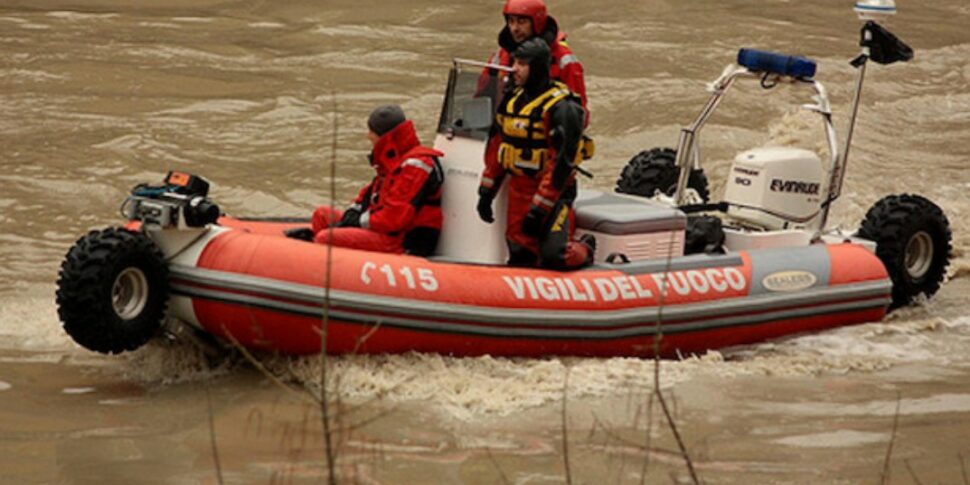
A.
pixel 390 149
pixel 539 79
pixel 550 35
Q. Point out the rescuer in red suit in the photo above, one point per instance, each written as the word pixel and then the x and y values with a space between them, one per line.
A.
pixel 400 209
pixel 537 141
pixel 525 19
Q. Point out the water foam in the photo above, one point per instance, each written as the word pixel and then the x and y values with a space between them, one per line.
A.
pixel 834 439
pixel 79 16
pixel 165 362
pixel 467 388
pixel 934 404
pixel 24 76
pixel 77 390
pixel 266 25
pixel 470 388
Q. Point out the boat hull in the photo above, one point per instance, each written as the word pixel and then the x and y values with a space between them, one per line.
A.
pixel 266 292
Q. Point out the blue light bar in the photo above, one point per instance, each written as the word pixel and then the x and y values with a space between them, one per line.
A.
pixel 774 63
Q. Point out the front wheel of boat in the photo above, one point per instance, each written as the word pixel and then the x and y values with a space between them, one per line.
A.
pixel 112 290
pixel 913 240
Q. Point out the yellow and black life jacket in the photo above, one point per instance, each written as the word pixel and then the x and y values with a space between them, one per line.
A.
pixel 525 147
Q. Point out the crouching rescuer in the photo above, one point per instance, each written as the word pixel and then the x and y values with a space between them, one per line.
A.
pixel 537 141
pixel 399 211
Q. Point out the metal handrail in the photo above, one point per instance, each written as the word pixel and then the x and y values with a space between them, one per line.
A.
pixel 468 62
pixel 689 135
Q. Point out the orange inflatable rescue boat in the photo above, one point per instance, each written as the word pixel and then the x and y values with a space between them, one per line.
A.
pixel 242 280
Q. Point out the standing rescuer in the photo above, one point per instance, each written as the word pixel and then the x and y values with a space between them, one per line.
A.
pixel 400 209
pixel 537 139
pixel 524 20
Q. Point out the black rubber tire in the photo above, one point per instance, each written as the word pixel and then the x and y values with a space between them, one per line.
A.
pixel 655 169
pixel 87 281
pixel 896 222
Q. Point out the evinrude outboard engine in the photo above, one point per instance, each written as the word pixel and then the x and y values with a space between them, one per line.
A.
pixel 775 188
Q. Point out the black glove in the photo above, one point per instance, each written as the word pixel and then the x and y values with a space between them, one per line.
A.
pixel 351 218
pixel 484 208
pixel 301 233
pixel 532 224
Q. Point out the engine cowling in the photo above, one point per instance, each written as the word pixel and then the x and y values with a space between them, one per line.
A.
pixel 775 188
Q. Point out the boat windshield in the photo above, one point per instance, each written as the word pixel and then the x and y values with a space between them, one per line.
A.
pixel 470 99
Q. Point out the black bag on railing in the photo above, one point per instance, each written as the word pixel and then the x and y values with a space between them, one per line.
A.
pixel 884 47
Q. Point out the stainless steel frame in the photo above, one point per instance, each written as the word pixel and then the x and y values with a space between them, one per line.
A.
pixel 687 146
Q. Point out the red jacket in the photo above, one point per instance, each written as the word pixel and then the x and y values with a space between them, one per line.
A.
pixel 565 66
pixel 406 192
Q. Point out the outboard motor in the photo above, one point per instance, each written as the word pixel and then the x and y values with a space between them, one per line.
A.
pixel 775 188
pixel 179 202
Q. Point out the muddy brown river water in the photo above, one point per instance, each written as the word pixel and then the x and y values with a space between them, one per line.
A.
pixel 97 95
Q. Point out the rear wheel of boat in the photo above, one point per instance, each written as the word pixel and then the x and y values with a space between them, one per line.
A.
pixel 656 169
pixel 112 290
pixel 912 236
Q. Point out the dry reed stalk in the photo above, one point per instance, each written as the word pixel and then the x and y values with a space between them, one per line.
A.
pixel 633 444
pixel 565 428
pixel 912 474
pixel 501 473
pixel 963 469
pixel 257 415
pixel 648 441
pixel 266 372
pixel 892 440
pixel 212 436
pixel 324 398
pixel 658 337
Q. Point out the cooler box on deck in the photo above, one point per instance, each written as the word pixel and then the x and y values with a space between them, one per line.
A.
pixel 632 226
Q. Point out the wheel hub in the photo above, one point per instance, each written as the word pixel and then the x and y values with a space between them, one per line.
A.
pixel 129 294
pixel 919 255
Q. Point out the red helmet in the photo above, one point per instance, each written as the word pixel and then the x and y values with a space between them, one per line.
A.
pixel 534 9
